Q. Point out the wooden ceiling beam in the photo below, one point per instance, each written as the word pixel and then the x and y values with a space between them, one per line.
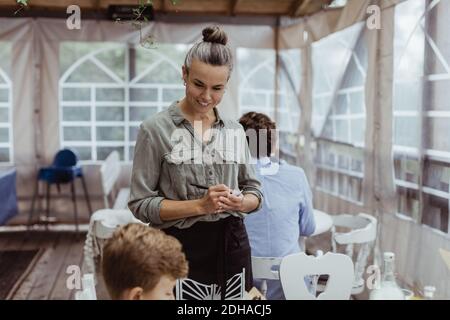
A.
pixel 300 7
pixel 96 4
pixel 295 6
pixel 233 6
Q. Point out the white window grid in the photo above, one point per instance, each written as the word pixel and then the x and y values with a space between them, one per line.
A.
pixel 8 125
pixel 415 152
pixel 268 107
pixel 127 85
pixel 348 117
pixel 332 168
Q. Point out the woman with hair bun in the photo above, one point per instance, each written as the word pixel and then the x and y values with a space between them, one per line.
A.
pixel 186 181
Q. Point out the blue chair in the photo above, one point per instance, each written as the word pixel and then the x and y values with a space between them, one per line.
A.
pixel 63 170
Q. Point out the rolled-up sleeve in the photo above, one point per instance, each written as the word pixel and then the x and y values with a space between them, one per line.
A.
pixel 249 184
pixel 247 179
pixel 145 201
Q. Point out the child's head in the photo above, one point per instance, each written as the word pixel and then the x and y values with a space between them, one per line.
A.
pixel 140 262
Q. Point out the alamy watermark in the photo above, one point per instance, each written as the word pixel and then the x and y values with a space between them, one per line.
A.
pixel 225 146
pixel 74 20
pixel 73 280
pixel 374 20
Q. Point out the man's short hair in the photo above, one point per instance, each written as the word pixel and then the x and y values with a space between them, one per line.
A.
pixel 138 256
pixel 264 128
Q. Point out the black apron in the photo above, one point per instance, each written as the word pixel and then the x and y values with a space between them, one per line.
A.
pixel 216 251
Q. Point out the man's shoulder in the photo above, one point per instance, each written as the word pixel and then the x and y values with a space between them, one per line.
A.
pixel 293 171
pixel 292 168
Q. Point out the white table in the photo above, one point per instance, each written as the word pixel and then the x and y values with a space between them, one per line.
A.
pixel 324 222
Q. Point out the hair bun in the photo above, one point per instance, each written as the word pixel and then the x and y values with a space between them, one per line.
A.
pixel 214 34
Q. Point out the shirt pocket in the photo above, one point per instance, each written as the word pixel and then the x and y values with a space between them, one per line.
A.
pixel 183 172
pixel 174 177
pixel 227 167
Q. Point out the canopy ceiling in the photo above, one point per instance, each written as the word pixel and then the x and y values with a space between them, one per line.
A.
pixel 293 8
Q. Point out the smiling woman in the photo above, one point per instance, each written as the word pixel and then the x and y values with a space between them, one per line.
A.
pixel 209 223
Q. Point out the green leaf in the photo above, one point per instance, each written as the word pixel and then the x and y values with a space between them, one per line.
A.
pixel 22 2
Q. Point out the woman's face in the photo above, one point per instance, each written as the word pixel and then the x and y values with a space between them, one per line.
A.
pixel 205 85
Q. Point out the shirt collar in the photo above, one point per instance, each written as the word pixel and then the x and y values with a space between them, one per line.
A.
pixel 268 161
pixel 178 118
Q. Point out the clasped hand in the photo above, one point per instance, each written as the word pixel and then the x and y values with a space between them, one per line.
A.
pixel 220 198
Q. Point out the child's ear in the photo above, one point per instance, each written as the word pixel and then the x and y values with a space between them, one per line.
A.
pixel 185 73
pixel 134 293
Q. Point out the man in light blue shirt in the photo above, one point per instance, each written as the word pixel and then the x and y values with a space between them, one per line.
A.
pixel 287 211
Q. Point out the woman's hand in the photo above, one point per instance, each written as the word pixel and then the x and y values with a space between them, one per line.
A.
pixel 231 203
pixel 210 203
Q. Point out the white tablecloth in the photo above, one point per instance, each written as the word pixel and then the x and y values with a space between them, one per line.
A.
pixel 324 222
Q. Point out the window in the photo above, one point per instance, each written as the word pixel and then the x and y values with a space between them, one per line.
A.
pixel 289 107
pixel 256 69
pixel 107 90
pixel 257 91
pixel 421 112
pixel 6 132
pixel 338 118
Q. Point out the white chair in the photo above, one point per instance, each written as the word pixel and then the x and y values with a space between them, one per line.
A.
pixel 109 173
pixel 188 289
pixel 295 267
pixel 363 231
pixel 101 227
pixel 263 269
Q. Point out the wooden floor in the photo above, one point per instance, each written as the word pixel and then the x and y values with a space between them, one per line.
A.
pixel 47 280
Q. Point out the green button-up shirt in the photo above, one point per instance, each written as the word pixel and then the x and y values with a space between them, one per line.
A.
pixel 169 158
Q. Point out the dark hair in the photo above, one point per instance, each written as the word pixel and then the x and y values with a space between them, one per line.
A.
pixel 264 128
pixel 212 50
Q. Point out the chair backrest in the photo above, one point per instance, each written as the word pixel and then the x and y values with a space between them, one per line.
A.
pixel 295 267
pixel 188 289
pixel 363 231
pixel 109 173
pixel 102 225
pixel 265 268
pixel 65 158
pixel 363 228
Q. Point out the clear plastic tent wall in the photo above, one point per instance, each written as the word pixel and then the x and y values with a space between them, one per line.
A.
pixel 363 110
pixel 374 132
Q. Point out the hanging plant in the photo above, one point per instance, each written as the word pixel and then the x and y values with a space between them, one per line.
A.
pixel 22 4
pixel 140 20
